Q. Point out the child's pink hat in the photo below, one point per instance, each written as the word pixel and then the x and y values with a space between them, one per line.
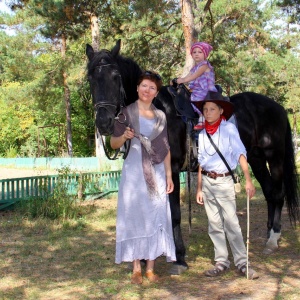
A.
pixel 205 47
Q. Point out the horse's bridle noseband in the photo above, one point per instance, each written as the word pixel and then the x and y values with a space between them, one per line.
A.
pixel 107 106
pixel 118 109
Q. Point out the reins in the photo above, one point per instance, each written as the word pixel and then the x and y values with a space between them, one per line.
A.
pixel 188 132
pixel 191 148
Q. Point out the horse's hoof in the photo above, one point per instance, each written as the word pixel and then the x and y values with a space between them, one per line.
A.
pixel 272 243
pixel 177 269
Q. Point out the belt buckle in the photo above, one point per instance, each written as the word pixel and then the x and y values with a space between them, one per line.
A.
pixel 212 175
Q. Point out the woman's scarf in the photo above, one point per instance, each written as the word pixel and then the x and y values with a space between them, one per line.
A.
pixel 154 148
pixel 211 129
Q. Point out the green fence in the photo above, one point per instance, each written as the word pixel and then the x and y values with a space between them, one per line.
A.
pixel 85 185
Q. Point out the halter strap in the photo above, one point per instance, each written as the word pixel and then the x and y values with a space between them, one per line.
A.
pixel 117 110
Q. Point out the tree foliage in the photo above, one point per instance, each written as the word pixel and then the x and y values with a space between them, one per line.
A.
pixel 252 52
pixel 292 8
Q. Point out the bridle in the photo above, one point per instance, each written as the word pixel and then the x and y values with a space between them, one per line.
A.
pixel 117 110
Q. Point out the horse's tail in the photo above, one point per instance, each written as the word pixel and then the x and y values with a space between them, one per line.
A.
pixel 291 178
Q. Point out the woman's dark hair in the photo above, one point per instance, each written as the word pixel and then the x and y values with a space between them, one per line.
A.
pixel 150 75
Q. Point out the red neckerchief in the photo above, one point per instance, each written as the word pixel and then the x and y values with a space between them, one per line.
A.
pixel 211 129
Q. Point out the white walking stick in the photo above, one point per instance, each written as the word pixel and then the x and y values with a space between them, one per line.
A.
pixel 248 230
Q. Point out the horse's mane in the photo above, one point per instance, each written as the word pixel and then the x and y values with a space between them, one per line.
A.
pixel 128 68
pixel 130 72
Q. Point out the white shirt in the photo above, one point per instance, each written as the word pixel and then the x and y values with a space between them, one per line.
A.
pixel 227 139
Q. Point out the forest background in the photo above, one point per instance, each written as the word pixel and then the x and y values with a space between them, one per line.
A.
pixel 45 103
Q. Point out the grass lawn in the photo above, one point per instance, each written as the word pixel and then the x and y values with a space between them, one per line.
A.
pixel 74 259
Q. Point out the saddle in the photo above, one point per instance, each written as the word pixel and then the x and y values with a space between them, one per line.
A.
pixel 181 98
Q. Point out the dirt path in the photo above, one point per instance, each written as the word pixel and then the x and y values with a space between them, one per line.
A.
pixel 6 173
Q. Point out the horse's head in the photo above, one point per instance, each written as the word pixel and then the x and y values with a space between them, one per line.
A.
pixel 106 86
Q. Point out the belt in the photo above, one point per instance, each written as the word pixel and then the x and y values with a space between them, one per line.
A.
pixel 214 175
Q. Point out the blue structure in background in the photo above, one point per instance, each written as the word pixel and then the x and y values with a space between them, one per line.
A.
pixel 87 164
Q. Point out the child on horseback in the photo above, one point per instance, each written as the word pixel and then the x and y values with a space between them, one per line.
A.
pixel 201 77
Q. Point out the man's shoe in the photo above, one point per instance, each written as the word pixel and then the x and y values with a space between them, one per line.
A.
pixel 251 273
pixel 217 270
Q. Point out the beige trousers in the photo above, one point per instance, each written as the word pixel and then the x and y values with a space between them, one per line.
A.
pixel 220 206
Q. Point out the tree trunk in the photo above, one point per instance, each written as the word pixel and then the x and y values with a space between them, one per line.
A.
pixel 95 44
pixel 67 98
pixel 187 19
pixel 189 30
pixel 95 32
pixel 294 129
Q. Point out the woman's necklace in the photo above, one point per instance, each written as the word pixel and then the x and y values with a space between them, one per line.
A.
pixel 211 144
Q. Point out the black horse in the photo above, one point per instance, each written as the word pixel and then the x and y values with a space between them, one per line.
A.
pixel 262 123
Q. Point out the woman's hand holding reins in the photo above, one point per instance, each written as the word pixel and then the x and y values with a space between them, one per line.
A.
pixel 118 142
pixel 128 133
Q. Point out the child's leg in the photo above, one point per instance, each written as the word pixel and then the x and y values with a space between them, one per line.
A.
pixel 195 108
pixel 201 122
pixel 201 119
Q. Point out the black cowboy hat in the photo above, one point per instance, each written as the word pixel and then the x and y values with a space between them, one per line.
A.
pixel 217 98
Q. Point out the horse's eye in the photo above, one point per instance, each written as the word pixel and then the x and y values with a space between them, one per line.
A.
pixel 102 61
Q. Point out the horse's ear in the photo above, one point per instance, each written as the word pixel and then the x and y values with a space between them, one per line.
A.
pixel 89 51
pixel 116 49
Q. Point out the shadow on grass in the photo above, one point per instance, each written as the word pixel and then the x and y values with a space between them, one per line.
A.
pixel 75 260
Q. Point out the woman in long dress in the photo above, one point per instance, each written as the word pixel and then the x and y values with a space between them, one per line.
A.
pixel 144 225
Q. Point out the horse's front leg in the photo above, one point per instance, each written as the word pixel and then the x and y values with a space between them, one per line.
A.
pixel 180 265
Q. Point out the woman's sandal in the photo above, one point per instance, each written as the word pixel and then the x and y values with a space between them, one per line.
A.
pixel 151 276
pixel 136 278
